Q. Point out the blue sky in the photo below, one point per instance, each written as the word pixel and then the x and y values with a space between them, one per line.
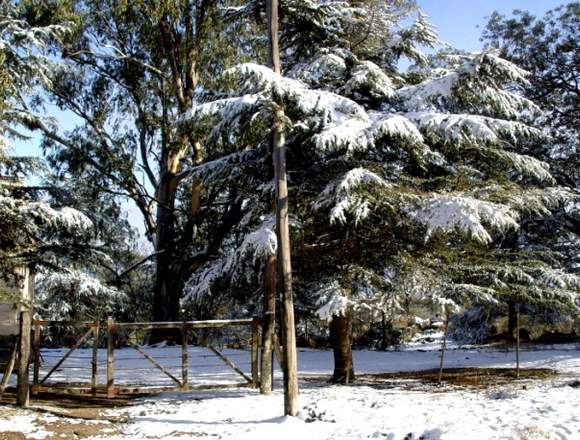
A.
pixel 457 20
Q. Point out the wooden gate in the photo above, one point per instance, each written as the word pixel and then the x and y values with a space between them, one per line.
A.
pixel 82 356
pixel 117 349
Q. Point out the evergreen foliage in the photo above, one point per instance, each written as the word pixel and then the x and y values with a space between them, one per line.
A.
pixel 391 180
pixel 38 228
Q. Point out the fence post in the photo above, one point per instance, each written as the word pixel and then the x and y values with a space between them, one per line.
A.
pixel 268 327
pixel 22 393
pixel 95 359
pixel 36 375
pixel 184 359
pixel 110 358
pixel 518 341
pixel 255 343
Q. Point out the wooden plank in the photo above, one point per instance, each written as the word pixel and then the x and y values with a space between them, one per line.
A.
pixel 65 389
pixel 110 358
pixel 68 353
pixel 95 360
pixel 125 389
pixel 219 386
pixel 85 388
pixel 254 355
pixel 216 323
pixel 8 369
pixel 230 364
pixel 154 362
pixel 48 323
pixel 201 387
pixel 184 358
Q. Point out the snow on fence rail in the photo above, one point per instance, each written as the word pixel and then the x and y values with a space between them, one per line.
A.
pixel 216 351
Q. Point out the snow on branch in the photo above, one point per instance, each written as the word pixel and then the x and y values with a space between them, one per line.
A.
pixel 260 243
pixel 531 281
pixel 491 64
pixel 478 294
pixel 333 299
pixel 73 292
pixel 494 101
pixel 26 44
pixel 257 246
pixel 462 130
pixel 553 297
pixel 395 126
pixel 448 213
pixel 346 195
pixel 536 201
pixel 521 164
pixel 257 79
pixel 75 281
pixel 329 71
pixel 226 108
pixel 476 80
pixel 557 278
pixel 225 168
pixel 324 71
pixel 359 134
pixel 348 134
pixel 425 95
pixel 368 79
pixel 227 120
pixel 32 215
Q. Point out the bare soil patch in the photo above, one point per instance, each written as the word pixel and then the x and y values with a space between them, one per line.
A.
pixel 480 378
pixel 12 436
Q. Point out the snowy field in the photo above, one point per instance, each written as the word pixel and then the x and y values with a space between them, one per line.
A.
pixel 525 409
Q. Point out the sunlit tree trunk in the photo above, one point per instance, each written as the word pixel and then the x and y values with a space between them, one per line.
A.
pixel 340 336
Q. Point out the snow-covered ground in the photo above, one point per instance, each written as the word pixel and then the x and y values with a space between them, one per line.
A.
pixel 528 409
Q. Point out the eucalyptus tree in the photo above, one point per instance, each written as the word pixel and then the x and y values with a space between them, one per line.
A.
pixel 132 69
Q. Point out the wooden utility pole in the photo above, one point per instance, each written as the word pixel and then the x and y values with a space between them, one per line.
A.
pixel 282 230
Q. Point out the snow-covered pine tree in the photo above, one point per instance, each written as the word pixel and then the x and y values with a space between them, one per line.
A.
pixel 388 179
pixel 35 229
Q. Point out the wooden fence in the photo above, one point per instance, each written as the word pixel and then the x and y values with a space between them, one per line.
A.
pixel 122 335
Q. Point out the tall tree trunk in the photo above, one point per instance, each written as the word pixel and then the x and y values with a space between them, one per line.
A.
pixel 168 285
pixel 340 336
